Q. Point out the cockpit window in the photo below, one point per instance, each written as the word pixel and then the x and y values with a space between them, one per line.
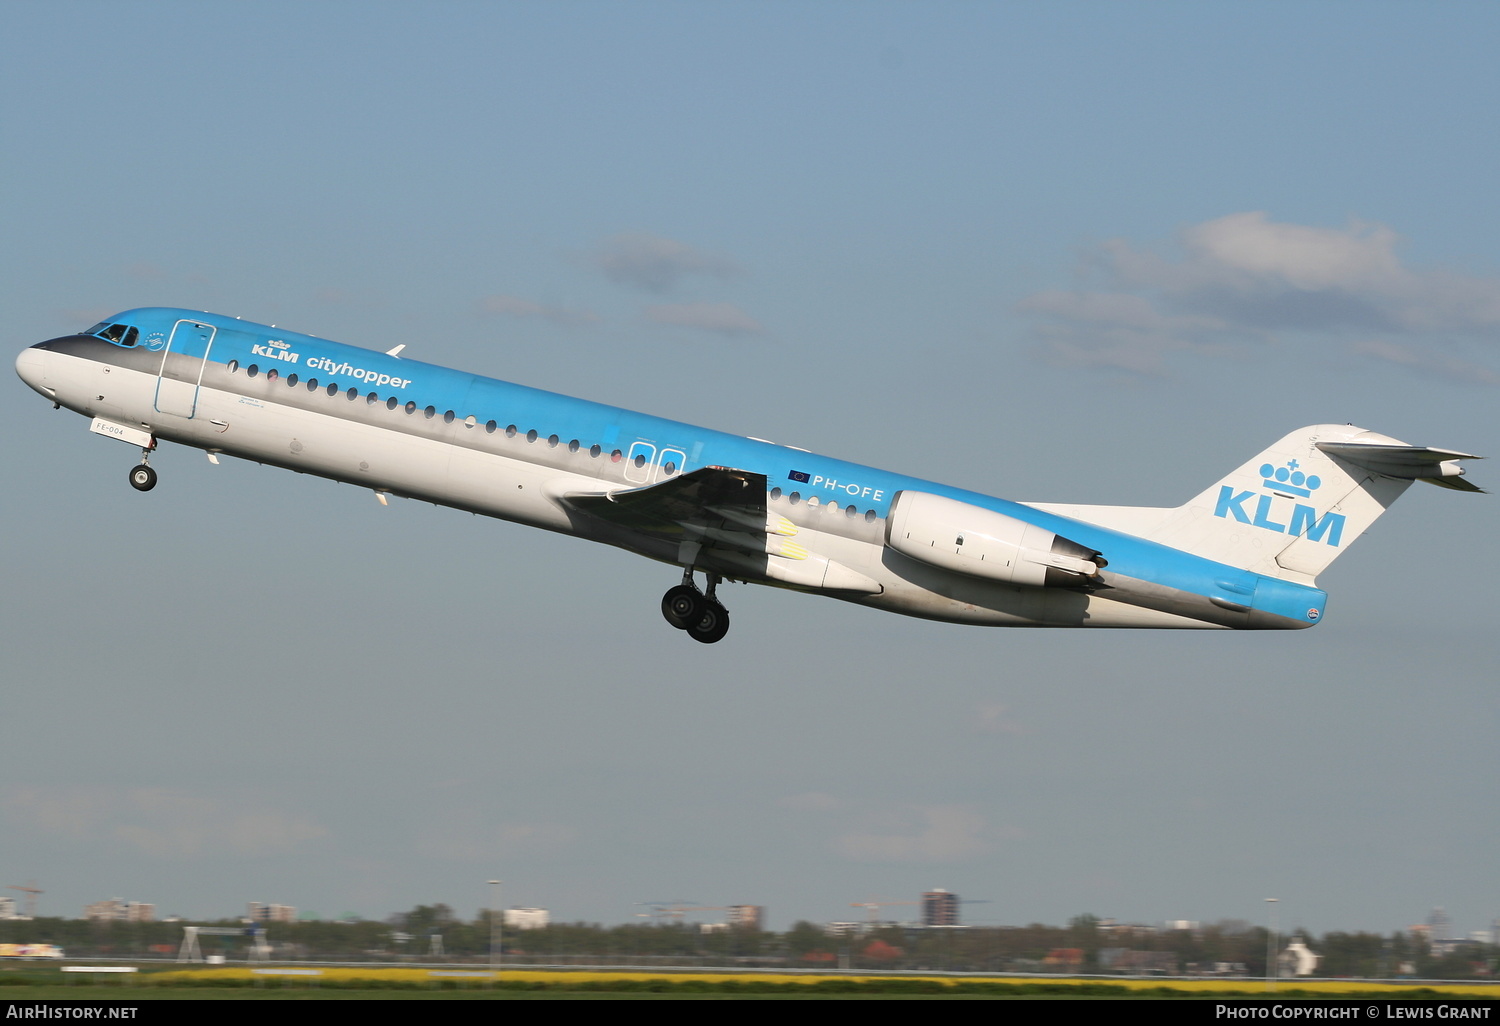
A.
pixel 120 334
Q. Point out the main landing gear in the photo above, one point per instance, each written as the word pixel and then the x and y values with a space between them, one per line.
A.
pixel 142 477
pixel 702 615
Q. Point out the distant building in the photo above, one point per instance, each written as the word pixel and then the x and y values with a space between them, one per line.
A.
pixel 8 909
pixel 1064 960
pixel 117 911
pixel 526 918
pixel 1440 932
pixel 1297 960
pixel 1134 962
pixel 939 908
pixel 263 913
pixel 747 917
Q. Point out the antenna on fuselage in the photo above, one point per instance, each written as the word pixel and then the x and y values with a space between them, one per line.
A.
pixel 396 352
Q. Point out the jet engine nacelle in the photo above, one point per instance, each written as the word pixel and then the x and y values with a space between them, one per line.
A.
pixel 979 542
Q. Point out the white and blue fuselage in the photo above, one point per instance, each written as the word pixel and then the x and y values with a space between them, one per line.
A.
pixel 718 504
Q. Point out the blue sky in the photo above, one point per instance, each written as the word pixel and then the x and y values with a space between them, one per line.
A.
pixel 1076 252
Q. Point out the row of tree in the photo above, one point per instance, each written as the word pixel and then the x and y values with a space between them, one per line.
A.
pixel 1085 945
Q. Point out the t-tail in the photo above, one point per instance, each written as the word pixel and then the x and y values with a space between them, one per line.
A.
pixel 1291 510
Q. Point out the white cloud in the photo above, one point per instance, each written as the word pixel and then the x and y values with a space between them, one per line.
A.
pixel 464 841
pixel 1247 251
pixel 655 264
pixel 514 306
pixel 809 801
pixel 163 822
pixel 144 270
pixel 720 318
pixel 993 718
pixel 926 833
pixel 1244 279
pixel 1449 367
pixel 70 811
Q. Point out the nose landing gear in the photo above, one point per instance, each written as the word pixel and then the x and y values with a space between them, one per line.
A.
pixel 702 615
pixel 142 477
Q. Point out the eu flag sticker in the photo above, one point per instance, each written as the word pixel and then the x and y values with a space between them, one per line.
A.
pixel 797 475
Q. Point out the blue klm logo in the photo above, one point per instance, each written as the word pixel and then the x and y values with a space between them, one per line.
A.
pixel 1286 482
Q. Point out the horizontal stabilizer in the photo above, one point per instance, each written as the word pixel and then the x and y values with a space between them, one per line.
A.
pixel 1410 462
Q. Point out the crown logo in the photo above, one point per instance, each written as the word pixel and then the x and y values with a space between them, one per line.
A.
pixel 1289 479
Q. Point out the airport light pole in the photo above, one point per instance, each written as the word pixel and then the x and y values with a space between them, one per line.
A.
pixel 495 925
pixel 1271 945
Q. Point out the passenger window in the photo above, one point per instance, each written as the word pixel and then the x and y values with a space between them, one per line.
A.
pixel 234 365
pixel 794 498
pixel 670 468
pixel 448 417
pixel 312 384
pixel 850 512
pixel 271 374
pixel 531 435
pixel 616 456
pixel 869 516
pixel 392 403
pixel 430 412
pixel 353 394
pixel 469 421
pixel 595 451
pixel 252 370
pixel 489 427
pixel 640 461
pixel 552 441
pixel 291 380
pixel 333 390
pixel 411 406
pixel 372 398
pixel 573 445
pixel 775 494
pixel 510 431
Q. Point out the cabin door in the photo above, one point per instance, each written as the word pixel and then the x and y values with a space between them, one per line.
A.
pixel 182 365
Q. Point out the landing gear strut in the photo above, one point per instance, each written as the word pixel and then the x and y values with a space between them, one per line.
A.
pixel 142 477
pixel 702 615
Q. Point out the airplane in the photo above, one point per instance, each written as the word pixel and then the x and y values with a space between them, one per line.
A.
pixel 1242 554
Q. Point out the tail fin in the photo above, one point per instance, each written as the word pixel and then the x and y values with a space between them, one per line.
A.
pixel 1291 510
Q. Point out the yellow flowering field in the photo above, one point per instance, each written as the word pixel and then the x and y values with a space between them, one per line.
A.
pixel 381 978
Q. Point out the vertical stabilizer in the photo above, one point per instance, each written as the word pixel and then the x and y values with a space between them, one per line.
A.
pixel 1291 510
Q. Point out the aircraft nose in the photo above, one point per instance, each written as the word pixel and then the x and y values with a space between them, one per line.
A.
pixel 31 365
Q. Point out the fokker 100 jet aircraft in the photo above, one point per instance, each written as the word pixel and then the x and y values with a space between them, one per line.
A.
pixel 1244 553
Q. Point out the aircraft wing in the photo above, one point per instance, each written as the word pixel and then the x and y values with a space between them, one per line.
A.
pixel 718 518
pixel 707 497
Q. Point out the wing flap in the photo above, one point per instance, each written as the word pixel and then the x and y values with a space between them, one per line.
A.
pixel 718 518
